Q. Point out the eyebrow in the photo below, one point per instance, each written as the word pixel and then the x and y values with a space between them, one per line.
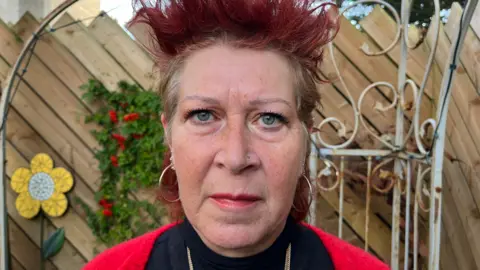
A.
pixel 255 102
pixel 202 98
pixel 263 101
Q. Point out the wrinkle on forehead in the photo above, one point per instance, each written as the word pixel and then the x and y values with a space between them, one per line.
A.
pixel 234 75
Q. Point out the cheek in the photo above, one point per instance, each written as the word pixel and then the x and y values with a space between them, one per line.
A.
pixel 283 165
pixel 191 161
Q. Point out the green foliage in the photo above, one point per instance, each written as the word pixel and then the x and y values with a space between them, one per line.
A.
pixel 131 157
pixel 420 15
pixel 53 244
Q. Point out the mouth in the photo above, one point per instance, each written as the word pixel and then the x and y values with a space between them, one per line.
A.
pixel 235 202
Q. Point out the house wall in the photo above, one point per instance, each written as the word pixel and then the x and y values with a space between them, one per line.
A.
pixel 12 10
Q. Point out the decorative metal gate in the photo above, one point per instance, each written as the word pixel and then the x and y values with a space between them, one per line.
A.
pixel 422 162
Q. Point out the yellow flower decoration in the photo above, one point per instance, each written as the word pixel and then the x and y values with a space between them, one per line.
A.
pixel 41 186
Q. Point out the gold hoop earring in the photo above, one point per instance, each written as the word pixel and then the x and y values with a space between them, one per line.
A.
pixel 160 182
pixel 311 192
pixel 171 163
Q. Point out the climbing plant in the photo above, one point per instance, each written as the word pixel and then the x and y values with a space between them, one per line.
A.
pixel 130 158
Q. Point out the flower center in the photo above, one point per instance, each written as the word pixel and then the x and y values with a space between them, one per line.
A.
pixel 41 186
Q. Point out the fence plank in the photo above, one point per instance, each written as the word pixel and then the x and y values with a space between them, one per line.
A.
pixel 383 27
pixel 465 207
pixel 50 89
pixel 452 225
pixel 29 143
pixel 116 41
pixel 23 249
pixel 470 54
pixel 327 220
pixel 380 24
pixel 475 23
pixel 446 262
pixel 377 68
pixel 327 217
pixel 140 32
pixel 56 57
pixel 83 236
pixel 15 264
pixel 67 258
pixel 76 231
pixel 326 212
pixel 355 214
pixel 55 133
pixel 90 53
pixel 356 83
pixel 463 94
pixel 335 104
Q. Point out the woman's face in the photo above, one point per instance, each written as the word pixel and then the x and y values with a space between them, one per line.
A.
pixel 238 146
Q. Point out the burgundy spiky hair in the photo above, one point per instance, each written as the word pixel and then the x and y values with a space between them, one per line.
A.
pixel 298 28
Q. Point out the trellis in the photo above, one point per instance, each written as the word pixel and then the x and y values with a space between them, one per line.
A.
pixel 392 152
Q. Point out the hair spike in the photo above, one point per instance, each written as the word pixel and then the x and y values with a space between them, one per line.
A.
pixel 297 27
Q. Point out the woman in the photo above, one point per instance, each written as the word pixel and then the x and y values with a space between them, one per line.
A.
pixel 239 86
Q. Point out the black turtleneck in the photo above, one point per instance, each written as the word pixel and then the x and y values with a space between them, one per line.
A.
pixel 170 251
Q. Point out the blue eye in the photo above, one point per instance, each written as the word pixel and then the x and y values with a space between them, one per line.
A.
pixel 272 119
pixel 268 119
pixel 200 116
pixel 203 116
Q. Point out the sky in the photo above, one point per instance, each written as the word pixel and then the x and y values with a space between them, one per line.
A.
pixel 121 10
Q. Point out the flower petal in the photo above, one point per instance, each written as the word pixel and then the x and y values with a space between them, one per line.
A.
pixel 26 206
pixel 56 205
pixel 20 179
pixel 41 163
pixel 63 179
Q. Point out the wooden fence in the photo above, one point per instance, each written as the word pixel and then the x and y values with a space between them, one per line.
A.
pixel 47 114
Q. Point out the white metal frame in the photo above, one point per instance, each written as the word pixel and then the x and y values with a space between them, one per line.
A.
pixel 430 161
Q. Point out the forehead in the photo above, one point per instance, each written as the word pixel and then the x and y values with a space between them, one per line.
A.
pixel 221 71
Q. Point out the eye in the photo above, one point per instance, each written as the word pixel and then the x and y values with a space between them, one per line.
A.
pixel 201 116
pixel 272 119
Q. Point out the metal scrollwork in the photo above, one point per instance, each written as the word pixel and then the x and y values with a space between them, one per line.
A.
pixel 411 151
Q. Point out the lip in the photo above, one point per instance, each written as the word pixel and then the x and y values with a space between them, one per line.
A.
pixel 235 201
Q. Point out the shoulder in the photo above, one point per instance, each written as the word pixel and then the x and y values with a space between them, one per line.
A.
pixel 131 254
pixel 344 255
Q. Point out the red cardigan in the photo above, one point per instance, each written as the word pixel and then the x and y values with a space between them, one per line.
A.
pixel 133 254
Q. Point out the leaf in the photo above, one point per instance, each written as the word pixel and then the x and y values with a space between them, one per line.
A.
pixel 475 101
pixel 53 244
pixel 449 156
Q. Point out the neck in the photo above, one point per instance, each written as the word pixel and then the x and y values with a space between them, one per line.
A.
pixel 269 246
pixel 248 250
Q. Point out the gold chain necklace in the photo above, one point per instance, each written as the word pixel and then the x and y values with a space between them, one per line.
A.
pixel 287 258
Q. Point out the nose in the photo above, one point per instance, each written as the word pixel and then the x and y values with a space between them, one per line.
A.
pixel 236 154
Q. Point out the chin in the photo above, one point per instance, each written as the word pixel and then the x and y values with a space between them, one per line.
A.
pixel 234 235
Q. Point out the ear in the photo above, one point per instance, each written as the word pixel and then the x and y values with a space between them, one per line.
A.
pixel 165 128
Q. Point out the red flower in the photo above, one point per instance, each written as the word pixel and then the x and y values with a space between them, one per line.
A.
pixel 119 137
pixel 137 136
pixel 131 117
pixel 113 116
pixel 102 202
pixel 107 212
pixel 123 104
pixel 108 206
pixel 114 161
